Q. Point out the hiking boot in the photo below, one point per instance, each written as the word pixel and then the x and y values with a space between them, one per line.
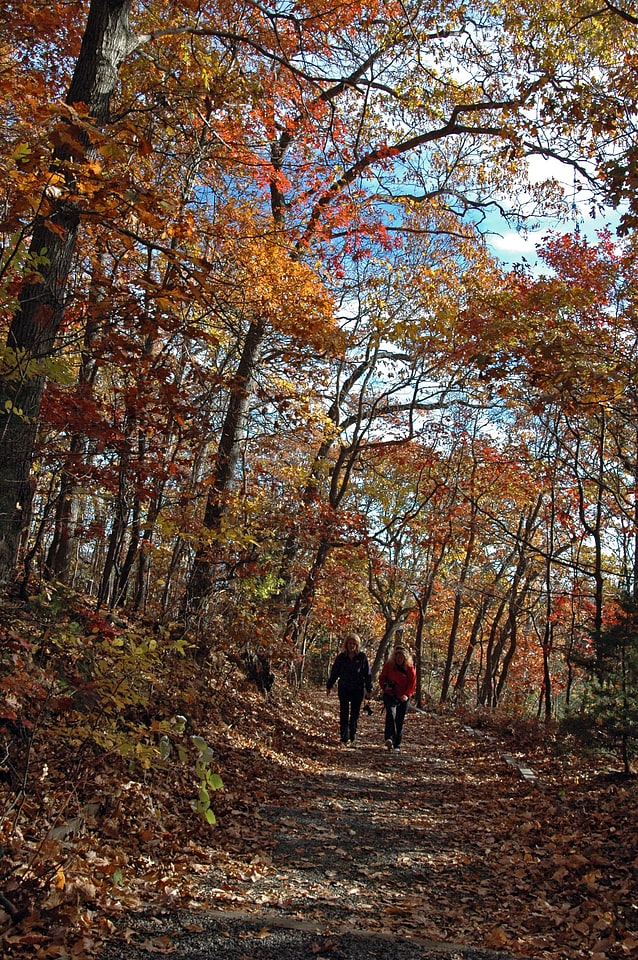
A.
pixel 350 744
pixel 389 744
pixel 396 749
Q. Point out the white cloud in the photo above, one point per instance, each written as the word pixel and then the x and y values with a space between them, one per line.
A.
pixel 548 168
pixel 511 246
pixel 512 242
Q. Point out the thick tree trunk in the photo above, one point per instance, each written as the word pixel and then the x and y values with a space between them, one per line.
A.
pixel 31 338
pixel 41 304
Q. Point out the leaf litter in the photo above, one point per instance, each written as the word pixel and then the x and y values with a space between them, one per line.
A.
pixel 443 850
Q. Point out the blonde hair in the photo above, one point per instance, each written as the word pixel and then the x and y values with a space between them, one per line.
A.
pixel 407 659
pixel 351 636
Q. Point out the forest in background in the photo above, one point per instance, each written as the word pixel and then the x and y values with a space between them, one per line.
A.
pixel 264 382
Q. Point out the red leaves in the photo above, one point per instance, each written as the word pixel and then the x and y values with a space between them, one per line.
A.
pixel 546 867
pixel 559 333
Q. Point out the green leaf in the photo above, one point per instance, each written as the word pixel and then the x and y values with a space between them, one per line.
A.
pixel 214 781
pixel 22 152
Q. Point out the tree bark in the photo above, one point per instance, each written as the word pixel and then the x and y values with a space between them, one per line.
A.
pixel 226 462
pixel 41 304
pixel 458 603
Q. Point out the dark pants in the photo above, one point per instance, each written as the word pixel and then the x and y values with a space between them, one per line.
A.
pixel 349 709
pixel 395 711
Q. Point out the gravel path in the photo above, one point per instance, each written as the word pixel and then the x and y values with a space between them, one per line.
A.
pixel 352 855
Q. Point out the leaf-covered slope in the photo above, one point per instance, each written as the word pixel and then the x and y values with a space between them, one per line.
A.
pixel 107 746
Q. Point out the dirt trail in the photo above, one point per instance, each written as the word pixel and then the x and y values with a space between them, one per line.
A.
pixel 363 853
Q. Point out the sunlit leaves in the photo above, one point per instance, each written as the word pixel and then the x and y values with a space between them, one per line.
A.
pixel 570 333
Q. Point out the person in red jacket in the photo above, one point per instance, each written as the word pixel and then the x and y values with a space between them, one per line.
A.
pixel 398 683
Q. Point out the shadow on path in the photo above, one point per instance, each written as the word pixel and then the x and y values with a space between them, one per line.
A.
pixel 357 855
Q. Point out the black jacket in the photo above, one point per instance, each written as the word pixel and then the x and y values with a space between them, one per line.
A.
pixel 353 675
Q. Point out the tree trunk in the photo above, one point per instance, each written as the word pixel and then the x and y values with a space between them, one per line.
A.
pixel 456 615
pixel 486 684
pixel 41 304
pixel 392 628
pixel 303 604
pixel 124 575
pixel 109 583
pixel 595 531
pixel 144 557
pixel 634 579
pixel 459 683
pixel 58 561
pixel 422 604
pixel 418 652
pixel 227 456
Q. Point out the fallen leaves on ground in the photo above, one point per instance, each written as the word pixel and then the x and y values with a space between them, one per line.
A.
pixel 446 842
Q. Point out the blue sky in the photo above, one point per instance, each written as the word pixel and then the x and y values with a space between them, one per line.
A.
pixel 513 246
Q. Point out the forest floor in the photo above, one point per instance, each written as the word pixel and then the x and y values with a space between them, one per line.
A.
pixel 485 837
pixel 468 844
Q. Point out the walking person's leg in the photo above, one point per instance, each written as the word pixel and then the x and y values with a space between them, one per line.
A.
pixel 344 710
pixel 401 711
pixel 355 710
pixel 390 726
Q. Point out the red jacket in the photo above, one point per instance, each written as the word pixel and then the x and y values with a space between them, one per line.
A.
pixel 404 680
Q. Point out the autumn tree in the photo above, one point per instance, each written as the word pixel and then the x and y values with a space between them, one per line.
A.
pixel 53 232
pixel 296 113
pixel 560 356
pixel 608 711
pixel 274 232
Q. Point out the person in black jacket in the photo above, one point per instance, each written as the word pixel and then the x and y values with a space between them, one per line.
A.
pixel 352 671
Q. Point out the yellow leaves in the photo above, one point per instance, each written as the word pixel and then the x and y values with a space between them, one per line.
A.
pixel 497 938
pixel 286 293
pixel 21 153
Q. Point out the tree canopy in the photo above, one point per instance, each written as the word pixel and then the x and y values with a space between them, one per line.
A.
pixel 263 379
pixel 264 382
